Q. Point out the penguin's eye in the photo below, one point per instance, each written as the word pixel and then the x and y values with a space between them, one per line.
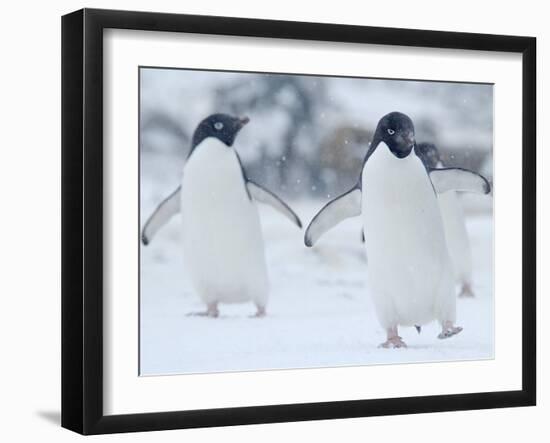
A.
pixel 218 126
pixel 391 131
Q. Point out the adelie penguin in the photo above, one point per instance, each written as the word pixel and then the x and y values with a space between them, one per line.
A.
pixel 223 246
pixel 454 224
pixel 410 274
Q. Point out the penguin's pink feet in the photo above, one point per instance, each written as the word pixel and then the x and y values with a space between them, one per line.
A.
pixel 448 330
pixel 393 341
pixel 466 291
pixel 260 312
pixel 211 311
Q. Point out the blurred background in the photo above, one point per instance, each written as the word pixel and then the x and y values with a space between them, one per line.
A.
pixel 308 135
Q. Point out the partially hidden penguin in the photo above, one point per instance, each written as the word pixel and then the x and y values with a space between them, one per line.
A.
pixel 409 273
pixel 454 223
pixel 223 245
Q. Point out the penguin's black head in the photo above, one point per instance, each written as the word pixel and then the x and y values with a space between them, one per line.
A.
pixel 221 126
pixel 397 131
pixel 429 154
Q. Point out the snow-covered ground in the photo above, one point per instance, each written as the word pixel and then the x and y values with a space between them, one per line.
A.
pixel 319 314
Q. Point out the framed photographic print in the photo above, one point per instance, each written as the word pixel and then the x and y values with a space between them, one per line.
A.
pixel 269 221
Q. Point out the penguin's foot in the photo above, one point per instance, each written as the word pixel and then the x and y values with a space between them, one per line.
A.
pixel 466 291
pixel 449 330
pixel 260 312
pixel 393 343
pixel 393 340
pixel 211 311
pixel 210 314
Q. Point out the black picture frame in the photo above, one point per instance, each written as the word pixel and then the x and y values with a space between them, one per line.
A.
pixel 82 220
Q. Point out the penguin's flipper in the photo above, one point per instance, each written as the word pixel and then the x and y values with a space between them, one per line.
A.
pixel 263 195
pixel 345 206
pixel 169 207
pixel 458 179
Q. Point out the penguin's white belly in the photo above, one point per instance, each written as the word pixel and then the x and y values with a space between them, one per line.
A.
pixel 409 271
pixel 222 238
pixel 456 236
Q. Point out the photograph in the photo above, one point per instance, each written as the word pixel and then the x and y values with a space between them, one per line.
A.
pixel 294 221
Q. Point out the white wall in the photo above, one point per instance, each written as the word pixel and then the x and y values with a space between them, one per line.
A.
pixel 30 222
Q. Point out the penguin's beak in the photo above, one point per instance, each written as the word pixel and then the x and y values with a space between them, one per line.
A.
pixel 242 121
